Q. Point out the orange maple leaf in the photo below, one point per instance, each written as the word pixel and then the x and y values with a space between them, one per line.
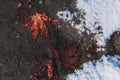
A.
pixel 37 24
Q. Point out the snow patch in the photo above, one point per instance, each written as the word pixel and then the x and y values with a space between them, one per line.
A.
pixel 107 68
pixel 104 13
pixel 65 15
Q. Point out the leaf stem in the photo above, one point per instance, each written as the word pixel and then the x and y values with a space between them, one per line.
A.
pixel 33 4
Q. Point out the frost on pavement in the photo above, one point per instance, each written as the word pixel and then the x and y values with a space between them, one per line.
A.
pixel 104 13
pixel 107 68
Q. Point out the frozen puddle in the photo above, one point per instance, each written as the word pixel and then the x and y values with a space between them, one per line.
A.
pixel 105 13
pixel 107 68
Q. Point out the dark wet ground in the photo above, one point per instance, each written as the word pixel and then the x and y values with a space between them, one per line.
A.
pixel 17 47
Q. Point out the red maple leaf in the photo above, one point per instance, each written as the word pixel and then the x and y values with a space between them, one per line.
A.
pixel 37 24
pixel 45 70
pixel 67 57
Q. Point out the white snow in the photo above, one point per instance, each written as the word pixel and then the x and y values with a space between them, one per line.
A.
pixel 19 5
pixel 65 15
pixel 107 68
pixel 105 13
